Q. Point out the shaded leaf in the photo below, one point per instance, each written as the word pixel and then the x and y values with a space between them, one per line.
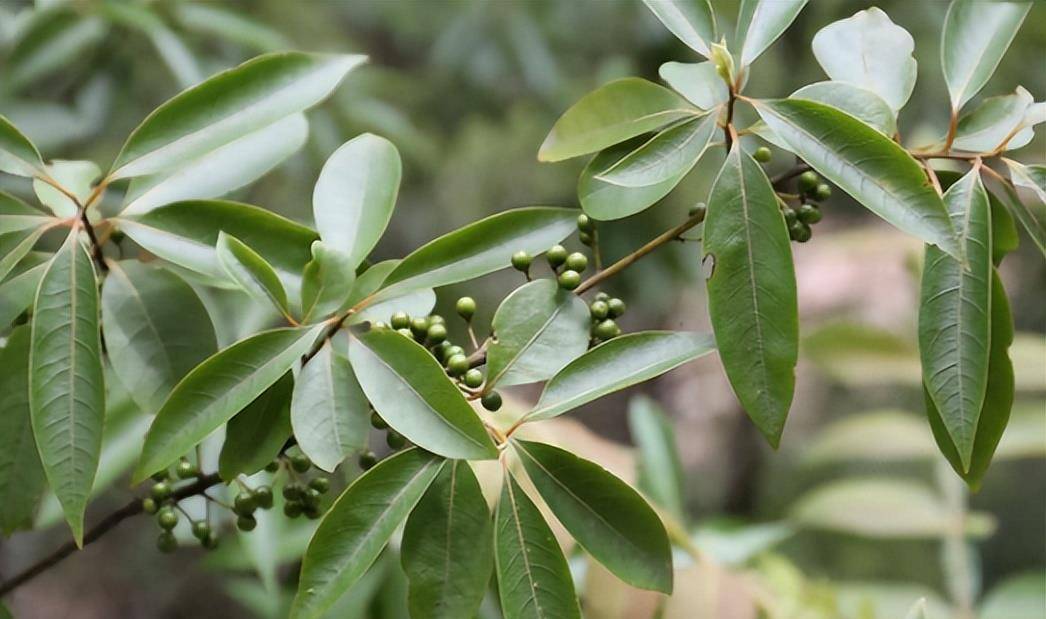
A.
pixel 17 245
pixel 669 154
pixel 973 41
pixel 255 435
pixel 16 216
pixel 1033 220
pixel 17 292
pixel 21 474
pixel 862 104
pixel 251 272
pixel 660 469
pixel 605 201
pixel 698 82
pixel 760 22
pixel 692 21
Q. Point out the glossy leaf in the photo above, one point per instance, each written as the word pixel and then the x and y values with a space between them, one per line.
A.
pixel 760 22
pixel 659 466
pixel 993 122
pixel 415 303
pixel 76 177
pixel 326 282
pixel 217 389
pixel 447 549
pixel 250 271
pixel 329 413
pixel 255 436
pixel 412 393
pixel 669 154
pixel 18 290
pixel 355 195
pixel 698 82
pixel 534 581
pixel 692 21
pixel 604 514
pixel 539 328
pixel 228 106
pixel 18 155
pixel 864 163
pixel 974 39
pixel 619 363
pixel 611 114
pixel 870 51
pixel 752 292
pixel 66 383
pixel 357 527
pixel 862 104
pixel 156 330
pixel 954 316
pixel 16 216
pixel 605 201
pixel 21 474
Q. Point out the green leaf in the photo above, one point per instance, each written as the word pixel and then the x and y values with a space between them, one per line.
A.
pixel 993 122
pixel 228 106
pixel 604 201
pixel 17 245
pixel 862 104
pixel 864 163
pixel 1017 597
pixel 53 39
pixel 760 22
pixel 480 248
pixel 534 580
pixel 66 384
pixel 156 330
pixel 230 25
pixel 412 393
pixel 611 114
pixel 18 155
pixel 692 21
pixel 879 436
pixel 604 514
pixel 994 414
pixel 953 316
pixel 21 474
pixel 415 303
pixel 1032 220
pixel 329 413
pixel 870 51
pixel 669 154
pixel 326 282
pixel 974 39
pixel 16 216
pixel 1031 177
pixel 751 292
pixel 17 292
pixel 447 550
pixel 169 46
pixel 539 328
pixel 358 526
pixel 251 272
pixel 355 195
pixel 619 363
pixel 660 468
pixel 1004 229
pixel 217 389
pixel 698 82
pixel 219 171
pixel 255 436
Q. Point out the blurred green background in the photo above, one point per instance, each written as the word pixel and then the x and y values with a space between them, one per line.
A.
pixel 854 517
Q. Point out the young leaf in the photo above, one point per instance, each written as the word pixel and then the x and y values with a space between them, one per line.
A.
pixel 660 468
pixel 872 168
pixel 974 39
pixel 480 248
pixel 698 82
pixel 991 123
pixel 326 282
pixel 692 21
pixel 447 550
pixel 255 436
pixel 760 22
pixel 75 176
pixel 250 271
pixel 413 395
pixel 329 413
pixel 355 195
pixel 862 104
pixel 534 580
pixel 619 363
pixel 540 328
pixel 18 155
pixel 604 514
pixel 66 383
pixel 610 114
pixel 669 154
pixel 156 330
pixel 751 292
pixel 229 106
pixel 217 389
pixel 357 527
pixel 21 474
pixel 16 216
pixel 870 51
pixel 604 201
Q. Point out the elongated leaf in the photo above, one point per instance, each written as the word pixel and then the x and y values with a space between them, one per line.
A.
pixel 751 292
pixel 870 51
pixel 760 22
pixel 16 216
pixel 619 363
pixel 17 292
pixel 669 154
pixel 250 271
pixel 692 21
pixel 229 106
pixel 974 39
pixel 17 245
pixel 862 104
pixel 480 248
pixel 447 550
pixel 1031 177
pixel 329 413
pixel 355 195
pixel 604 514
pixel 605 201
pixel 992 122
pixel 415 303
pixel 221 170
pixel 66 384
pixel 660 468
pixel 76 177
pixel 18 155
pixel 698 82
pixel 156 330
pixel 52 39
pixel 358 526
pixel 611 114
pixel 230 25
pixel 539 328
pixel 21 474
pixel 1032 220
pixel 171 49
pixel 413 395
pixel 954 316
pixel 533 578
pixel 217 389
pixel 326 282
pixel 255 436
pixel 872 168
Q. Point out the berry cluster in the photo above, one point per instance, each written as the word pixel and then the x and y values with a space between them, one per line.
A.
pixel 393 439
pixel 162 502
pixel 810 190
pixel 604 309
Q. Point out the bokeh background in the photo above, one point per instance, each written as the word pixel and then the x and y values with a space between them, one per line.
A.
pixel 854 517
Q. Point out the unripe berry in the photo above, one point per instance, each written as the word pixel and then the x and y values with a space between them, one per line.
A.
pixel 808 181
pixel 607 330
pixel 292 510
pixel 800 232
pixel 367 460
pixel 586 238
pixel 395 440
pixel 491 401
pixel 185 470
pixel 789 215
pixel 246 523
pixel 300 463
pixel 584 223
pixel 273 466
pixel 602 296
pixel 163 475
pixel 436 334
pixel 320 484
pixel 453 350
pixel 210 542
pixel 599 309
pixel 149 505
pixel 457 365
pixel 577 262
pixel 473 378
pixel 557 255
pixel 263 497
pixel 521 261
pixel 167 542
pixel 400 320
pixel 809 214
pixel 405 333
pixel 292 492
pixel 244 504
pixel 419 327
pixel 313 512
pixel 616 307
pixel 822 193
pixel 698 211
pixel 763 154
pixel 161 491
pixel 377 422
pixel 311 498
pixel 200 529
pixel 466 307
pixel 569 280
pixel 440 350
pixel 436 319
pixel 167 518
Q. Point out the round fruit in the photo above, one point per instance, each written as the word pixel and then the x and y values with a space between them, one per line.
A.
pixel 763 154
pixel 586 238
pixel 450 352
pixel 292 510
pixel 300 463
pixel 789 215
pixel 185 470
pixel 400 320
pixel 244 504
pixel 167 518
pixel 473 378
pixel 246 523
pixel 599 309
pixel 377 422
pixel 491 401
pixel 439 351
pixel 367 460
pixel 809 214
pixel 161 475
pixel 556 255
pixel 320 484
pixel 395 440
pixel 465 307
pixel 167 542
pixel 617 307
pixel 602 296
pixel 607 330
pixel 584 223
pixel 273 466
pixel 200 529
pixel 436 334
pixel 149 506
pixel 419 327
pixel 577 262
pixel 822 193
pixel 292 492
pixel 161 491
pixel 569 279
pixel 263 496
pixel 521 261
pixel 698 211
pixel 457 365
pixel 313 512
pixel 405 333
pixel 436 319
pixel 800 232
pixel 808 181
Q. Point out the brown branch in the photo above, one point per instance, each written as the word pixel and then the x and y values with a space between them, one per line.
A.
pixel 96 248
pixel 790 174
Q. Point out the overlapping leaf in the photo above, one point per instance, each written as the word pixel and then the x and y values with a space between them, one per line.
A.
pixel 21 474
pixel 326 282
pixel 251 272
pixel 698 82
pixel 760 22
pixel 862 104
pixel 255 436
pixel 692 21
pixel 669 154
pixel 974 39
pixel 17 154
pixel 660 468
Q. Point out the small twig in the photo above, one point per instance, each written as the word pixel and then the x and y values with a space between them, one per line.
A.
pixel 790 174
pixel 96 247
pixel 953 125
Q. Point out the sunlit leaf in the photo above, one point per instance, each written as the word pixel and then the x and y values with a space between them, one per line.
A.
pixel 862 104
pixel 326 282
pixel 991 123
pixel 605 201
pixel 973 41
pixel 16 216
pixel 692 21
pixel 255 436
pixel 761 22
pixel 669 154
pixel 75 177
pixel 250 271
pixel 698 82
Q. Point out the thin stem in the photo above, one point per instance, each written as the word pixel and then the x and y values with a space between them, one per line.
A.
pixel 953 125
pixel 597 256
pixel 96 247
pixel 798 169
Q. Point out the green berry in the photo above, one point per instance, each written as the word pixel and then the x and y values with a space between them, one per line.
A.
pixel 808 181
pixel 473 378
pixel 763 154
pixel 367 460
pixel 439 351
pixel 466 307
pixel 161 491
pixel 419 327
pixel 584 223
pixel 400 320
pixel 163 475
pixel 616 307
pixel 313 512
pixel 244 504
pixel 406 333
pixel 569 279
pixel 320 484
pixel 586 238
pixel 263 497
pixel 167 518
pixel 167 542
pixel 292 510
pixel 602 296
pixel 149 506
pixel 246 523
pixel 789 215
pixel 599 309
pixel 491 401
pixel 607 330
pixel 822 193
pixel 457 365
pixel 800 232
pixel 556 255
pixel 311 498
pixel 186 470
pixel 450 352
pixel 436 334
pixel 200 529
pixel 521 261
pixel 577 261
pixel 300 463
pixel 273 466
pixel 210 542
pixel 699 211
pixel 292 492
pixel 377 422
pixel 809 214
pixel 436 319
pixel 395 440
